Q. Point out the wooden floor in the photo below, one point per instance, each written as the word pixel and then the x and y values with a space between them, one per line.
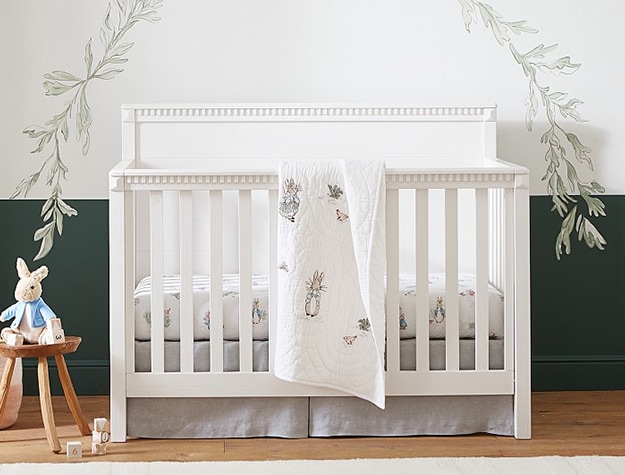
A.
pixel 564 423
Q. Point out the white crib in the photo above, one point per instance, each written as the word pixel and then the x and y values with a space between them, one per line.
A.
pixel 196 193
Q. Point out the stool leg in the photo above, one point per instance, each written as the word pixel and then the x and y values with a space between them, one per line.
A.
pixel 45 400
pixel 5 384
pixel 70 396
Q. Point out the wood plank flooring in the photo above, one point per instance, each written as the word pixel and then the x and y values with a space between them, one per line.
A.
pixel 564 423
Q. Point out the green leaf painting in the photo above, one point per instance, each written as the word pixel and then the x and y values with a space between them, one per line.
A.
pixel 76 116
pixel 561 176
pixel 564 150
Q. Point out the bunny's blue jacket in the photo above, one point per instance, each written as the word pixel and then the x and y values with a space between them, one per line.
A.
pixel 39 311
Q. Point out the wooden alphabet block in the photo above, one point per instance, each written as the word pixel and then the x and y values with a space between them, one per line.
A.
pixel 53 336
pixel 100 424
pixel 13 339
pixel 100 437
pixel 98 449
pixel 57 336
pixel 74 450
pixel 54 324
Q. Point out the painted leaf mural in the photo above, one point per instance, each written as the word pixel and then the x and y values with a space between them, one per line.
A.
pixel 564 150
pixel 76 116
pixel 561 176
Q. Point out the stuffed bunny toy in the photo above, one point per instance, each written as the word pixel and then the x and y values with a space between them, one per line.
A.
pixel 30 313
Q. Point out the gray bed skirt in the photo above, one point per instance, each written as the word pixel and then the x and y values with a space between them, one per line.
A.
pixel 299 417
pixel 302 417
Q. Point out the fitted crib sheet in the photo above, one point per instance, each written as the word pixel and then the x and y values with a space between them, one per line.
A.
pixel 260 355
pixel 259 312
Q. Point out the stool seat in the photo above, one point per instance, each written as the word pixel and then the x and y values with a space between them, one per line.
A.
pixel 70 345
pixel 42 352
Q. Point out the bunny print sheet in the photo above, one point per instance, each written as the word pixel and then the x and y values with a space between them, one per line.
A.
pixel 331 241
pixel 202 307
pixel 259 314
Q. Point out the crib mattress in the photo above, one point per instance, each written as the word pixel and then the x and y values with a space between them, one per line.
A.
pixel 260 355
pixel 259 314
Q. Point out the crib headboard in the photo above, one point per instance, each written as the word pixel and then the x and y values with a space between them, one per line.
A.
pixel 167 136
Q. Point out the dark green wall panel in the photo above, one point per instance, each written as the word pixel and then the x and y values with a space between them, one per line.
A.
pixel 578 304
pixel 578 309
pixel 76 287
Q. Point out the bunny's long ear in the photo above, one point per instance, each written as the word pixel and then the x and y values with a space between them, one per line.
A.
pixel 40 273
pixel 22 268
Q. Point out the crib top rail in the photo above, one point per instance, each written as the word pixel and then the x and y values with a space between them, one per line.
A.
pixel 125 177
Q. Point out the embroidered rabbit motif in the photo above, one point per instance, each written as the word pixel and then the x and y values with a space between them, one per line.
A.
pixel 314 287
pixel 289 202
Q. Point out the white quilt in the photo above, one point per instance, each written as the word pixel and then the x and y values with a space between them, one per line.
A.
pixel 331 239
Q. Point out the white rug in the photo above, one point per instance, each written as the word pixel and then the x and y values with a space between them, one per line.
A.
pixel 418 466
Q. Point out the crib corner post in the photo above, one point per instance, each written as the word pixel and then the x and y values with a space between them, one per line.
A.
pixel 522 347
pixel 120 203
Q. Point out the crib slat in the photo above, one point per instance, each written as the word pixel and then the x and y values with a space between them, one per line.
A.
pixel 129 279
pixel 273 274
pixel 392 280
pixel 422 277
pixel 245 281
pixel 186 281
pixel 452 344
pixel 216 282
pixel 481 280
pixel 156 270
pixel 509 284
pixel 496 237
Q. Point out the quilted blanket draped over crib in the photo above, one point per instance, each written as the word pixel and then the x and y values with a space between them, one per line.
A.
pixel 331 241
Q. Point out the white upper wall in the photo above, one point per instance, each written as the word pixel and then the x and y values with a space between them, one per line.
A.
pixel 308 51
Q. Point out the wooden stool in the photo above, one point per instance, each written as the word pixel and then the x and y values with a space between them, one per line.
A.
pixel 42 352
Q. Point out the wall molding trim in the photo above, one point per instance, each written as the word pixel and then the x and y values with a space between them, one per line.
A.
pixel 578 359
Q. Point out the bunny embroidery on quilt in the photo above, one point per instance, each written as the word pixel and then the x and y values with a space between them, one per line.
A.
pixel 290 201
pixel 314 287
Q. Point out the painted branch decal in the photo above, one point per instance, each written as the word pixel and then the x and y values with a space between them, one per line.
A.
pixel 120 17
pixel 561 176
